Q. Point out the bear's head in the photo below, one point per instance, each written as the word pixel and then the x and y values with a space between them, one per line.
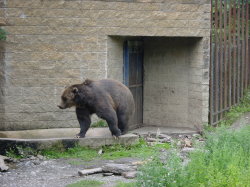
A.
pixel 75 95
pixel 68 97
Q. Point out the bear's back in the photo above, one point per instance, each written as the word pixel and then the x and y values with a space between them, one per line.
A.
pixel 120 94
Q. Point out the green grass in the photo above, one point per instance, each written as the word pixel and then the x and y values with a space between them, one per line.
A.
pixel 75 152
pixel 100 123
pixel 139 150
pixel 76 162
pixel 224 161
pixel 86 183
pixel 126 184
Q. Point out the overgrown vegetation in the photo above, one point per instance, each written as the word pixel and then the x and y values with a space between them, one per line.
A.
pixel 21 152
pixel 223 161
pixel 3 34
pixel 235 112
pixel 86 183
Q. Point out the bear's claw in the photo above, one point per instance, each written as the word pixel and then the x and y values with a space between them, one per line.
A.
pixel 79 136
pixel 116 137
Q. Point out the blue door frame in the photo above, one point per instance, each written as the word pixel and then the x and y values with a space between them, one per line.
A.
pixel 133 75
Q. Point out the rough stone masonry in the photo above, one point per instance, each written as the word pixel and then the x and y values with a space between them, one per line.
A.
pixel 51 44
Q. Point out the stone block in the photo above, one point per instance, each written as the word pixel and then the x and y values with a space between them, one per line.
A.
pixel 186 7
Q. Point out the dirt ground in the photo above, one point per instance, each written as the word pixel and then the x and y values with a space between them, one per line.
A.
pixel 56 173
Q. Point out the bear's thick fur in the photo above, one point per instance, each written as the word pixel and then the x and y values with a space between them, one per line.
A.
pixel 108 99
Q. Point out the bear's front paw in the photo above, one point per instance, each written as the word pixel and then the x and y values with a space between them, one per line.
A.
pixel 117 134
pixel 80 135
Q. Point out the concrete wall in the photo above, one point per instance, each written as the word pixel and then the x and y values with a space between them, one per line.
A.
pixel 115 58
pixel 172 87
pixel 52 44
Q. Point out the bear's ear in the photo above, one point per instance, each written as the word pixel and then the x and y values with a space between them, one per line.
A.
pixel 87 82
pixel 75 90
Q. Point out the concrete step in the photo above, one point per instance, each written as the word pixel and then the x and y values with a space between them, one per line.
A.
pixel 46 138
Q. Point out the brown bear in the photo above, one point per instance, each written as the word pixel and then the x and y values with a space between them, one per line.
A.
pixel 108 99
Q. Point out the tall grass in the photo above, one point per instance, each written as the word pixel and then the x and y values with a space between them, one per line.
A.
pixel 223 161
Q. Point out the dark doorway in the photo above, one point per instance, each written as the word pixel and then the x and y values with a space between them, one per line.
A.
pixel 133 75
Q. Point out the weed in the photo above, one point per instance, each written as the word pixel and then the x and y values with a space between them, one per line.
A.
pixel 86 183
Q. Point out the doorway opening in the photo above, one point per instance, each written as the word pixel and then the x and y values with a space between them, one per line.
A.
pixel 133 75
pixel 165 76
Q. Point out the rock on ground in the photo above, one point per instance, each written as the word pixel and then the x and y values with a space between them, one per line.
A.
pixel 3 166
pixel 117 168
pixel 130 174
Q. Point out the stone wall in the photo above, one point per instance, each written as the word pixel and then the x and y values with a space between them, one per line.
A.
pixel 52 44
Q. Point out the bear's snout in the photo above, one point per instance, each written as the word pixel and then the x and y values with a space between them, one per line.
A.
pixel 59 106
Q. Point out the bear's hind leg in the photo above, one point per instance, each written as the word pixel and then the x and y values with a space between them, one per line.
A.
pixel 111 119
pixel 122 122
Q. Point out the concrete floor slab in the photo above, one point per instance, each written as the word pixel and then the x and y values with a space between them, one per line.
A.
pixel 163 130
pixel 54 133
pixel 95 137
